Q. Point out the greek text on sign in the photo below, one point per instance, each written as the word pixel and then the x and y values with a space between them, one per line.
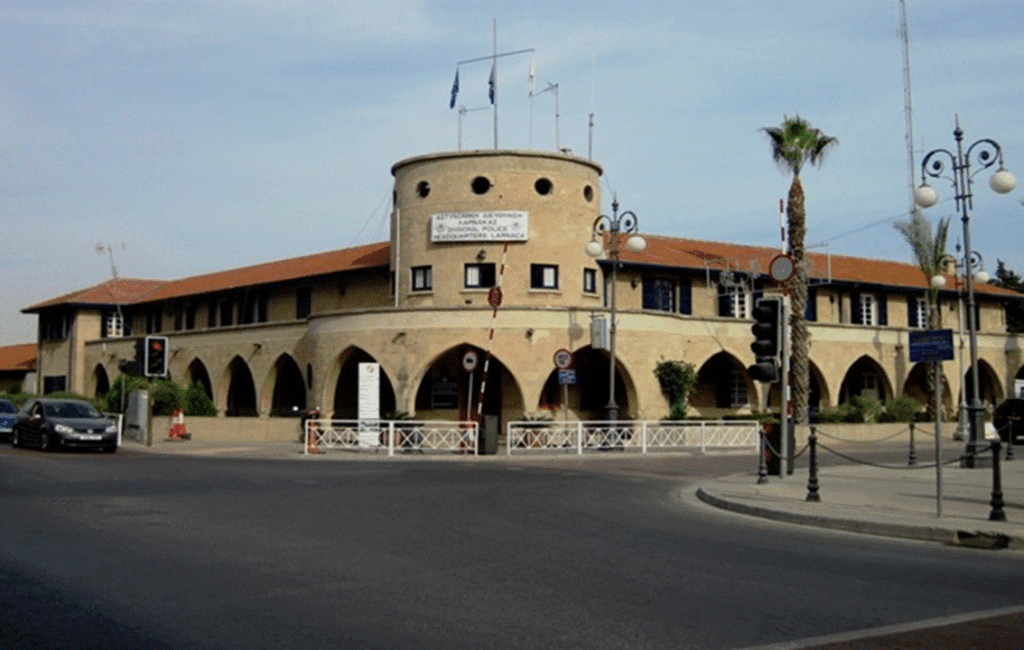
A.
pixel 479 226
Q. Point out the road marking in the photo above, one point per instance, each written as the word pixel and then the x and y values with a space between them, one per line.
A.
pixel 868 633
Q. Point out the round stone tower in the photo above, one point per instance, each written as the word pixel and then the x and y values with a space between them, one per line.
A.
pixel 454 213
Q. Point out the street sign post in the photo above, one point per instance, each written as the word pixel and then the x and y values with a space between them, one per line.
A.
pixel 931 345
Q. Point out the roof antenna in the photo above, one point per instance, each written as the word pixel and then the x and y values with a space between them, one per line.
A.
pixel 109 250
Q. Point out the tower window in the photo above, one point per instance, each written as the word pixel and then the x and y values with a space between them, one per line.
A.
pixel 481 185
pixel 543 186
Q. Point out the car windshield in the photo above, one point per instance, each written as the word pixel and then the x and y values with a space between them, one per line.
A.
pixel 71 410
pixel 7 407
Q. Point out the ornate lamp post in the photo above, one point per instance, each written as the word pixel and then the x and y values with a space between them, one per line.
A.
pixel 606 232
pixel 985 153
pixel 939 282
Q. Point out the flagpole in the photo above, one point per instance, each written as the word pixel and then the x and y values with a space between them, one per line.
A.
pixel 494 79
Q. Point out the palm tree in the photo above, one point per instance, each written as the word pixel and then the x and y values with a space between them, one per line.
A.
pixel 794 143
pixel 930 254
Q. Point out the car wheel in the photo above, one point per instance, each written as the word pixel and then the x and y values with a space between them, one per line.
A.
pixel 44 442
pixel 15 438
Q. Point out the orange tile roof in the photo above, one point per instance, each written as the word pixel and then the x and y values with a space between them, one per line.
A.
pixel 18 357
pixel 120 291
pixel 719 256
pixel 296 268
pixel 661 251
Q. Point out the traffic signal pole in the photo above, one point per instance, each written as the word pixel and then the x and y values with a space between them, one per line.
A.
pixel 785 421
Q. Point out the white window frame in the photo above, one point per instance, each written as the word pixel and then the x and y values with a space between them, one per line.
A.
pixel 738 388
pixel 740 303
pixel 868 309
pixel 549 277
pixel 115 325
pixel 921 308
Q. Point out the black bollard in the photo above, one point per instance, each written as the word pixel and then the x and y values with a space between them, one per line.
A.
pixel 1009 442
pixel 912 457
pixel 762 466
pixel 812 479
pixel 997 513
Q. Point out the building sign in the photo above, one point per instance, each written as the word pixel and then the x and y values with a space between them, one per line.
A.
pixel 479 226
pixel 931 345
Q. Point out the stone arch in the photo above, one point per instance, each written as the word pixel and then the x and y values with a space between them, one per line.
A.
pixel 588 397
pixel 100 381
pixel 920 385
pixel 723 385
pixel 345 397
pixel 988 383
pixel 444 387
pixel 817 398
pixel 238 394
pixel 865 377
pixel 197 374
pixel 285 387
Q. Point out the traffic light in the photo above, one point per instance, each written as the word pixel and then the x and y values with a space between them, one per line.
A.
pixel 154 356
pixel 767 329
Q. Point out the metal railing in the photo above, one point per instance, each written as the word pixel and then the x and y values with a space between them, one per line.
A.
pixel 392 436
pixel 641 436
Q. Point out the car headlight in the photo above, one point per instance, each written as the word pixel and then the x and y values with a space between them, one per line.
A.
pixel 63 429
pixel 111 428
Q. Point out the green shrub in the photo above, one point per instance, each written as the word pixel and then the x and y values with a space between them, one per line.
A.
pixel 112 401
pixel 166 397
pixel 197 402
pixel 18 398
pixel 900 409
pixel 677 380
pixel 864 409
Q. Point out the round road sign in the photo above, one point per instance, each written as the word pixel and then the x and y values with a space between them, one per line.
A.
pixel 469 361
pixel 563 359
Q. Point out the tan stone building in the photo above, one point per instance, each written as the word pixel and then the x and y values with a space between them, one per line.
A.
pixel 270 339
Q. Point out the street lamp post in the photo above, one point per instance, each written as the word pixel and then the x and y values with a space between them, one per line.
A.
pixel 985 153
pixel 610 229
pixel 939 282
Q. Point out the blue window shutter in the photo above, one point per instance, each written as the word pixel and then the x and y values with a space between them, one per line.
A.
pixel 685 296
pixel 883 310
pixel 811 312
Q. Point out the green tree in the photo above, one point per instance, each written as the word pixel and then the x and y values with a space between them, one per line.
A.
pixel 793 144
pixel 1006 278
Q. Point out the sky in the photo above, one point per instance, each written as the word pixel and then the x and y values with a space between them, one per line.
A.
pixel 171 139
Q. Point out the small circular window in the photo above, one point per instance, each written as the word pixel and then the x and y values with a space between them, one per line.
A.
pixel 543 186
pixel 588 193
pixel 481 185
pixel 423 189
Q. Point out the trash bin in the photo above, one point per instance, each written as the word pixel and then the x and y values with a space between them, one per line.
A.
pixel 488 436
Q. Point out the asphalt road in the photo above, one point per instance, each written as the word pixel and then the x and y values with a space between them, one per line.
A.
pixel 148 552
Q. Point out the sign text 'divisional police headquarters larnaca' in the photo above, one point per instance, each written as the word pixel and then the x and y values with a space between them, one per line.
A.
pixel 479 226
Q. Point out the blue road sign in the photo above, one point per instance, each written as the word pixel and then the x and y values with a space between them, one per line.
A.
pixel 566 377
pixel 931 345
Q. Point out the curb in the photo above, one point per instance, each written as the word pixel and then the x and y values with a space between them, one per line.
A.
pixel 953 537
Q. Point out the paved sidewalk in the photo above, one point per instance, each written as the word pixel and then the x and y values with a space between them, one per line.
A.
pixel 891 502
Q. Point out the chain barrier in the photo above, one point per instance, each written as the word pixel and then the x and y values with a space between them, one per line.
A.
pixel 865 442
pixel 880 465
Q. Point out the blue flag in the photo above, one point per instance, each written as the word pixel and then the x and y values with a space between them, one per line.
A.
pixel 490 82
pixel 455 89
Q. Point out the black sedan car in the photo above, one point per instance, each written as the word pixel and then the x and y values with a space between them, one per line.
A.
pixel 53 423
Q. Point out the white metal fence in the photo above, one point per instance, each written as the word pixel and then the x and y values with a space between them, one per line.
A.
pixel 391 436
pixel 641 437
